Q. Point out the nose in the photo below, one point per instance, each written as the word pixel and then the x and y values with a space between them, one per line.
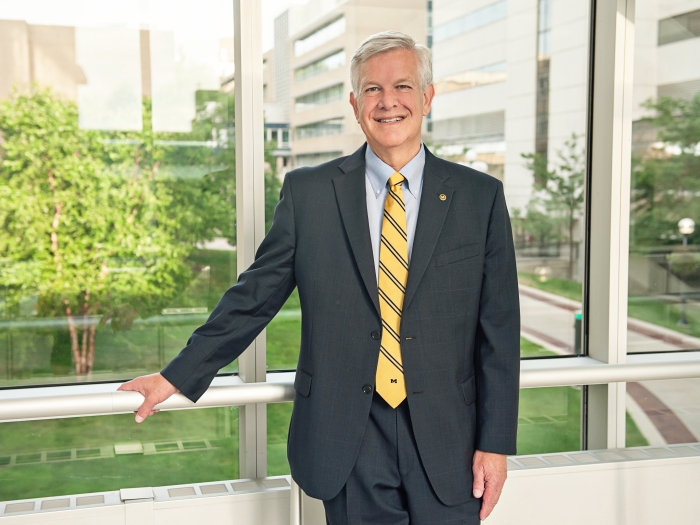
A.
pixel 388 100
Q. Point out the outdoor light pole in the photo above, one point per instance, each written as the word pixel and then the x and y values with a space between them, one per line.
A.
pixel 685 227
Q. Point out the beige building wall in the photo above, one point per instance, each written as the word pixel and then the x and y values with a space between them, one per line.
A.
pixel 41 54
pixel 363 18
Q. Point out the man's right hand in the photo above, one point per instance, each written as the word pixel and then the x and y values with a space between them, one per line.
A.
pixel 154 388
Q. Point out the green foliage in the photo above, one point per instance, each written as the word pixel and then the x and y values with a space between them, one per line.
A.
pixel 101 224
pixel 666 177
pixel 558 194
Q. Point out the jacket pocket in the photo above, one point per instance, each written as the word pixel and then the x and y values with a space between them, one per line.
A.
pixel 302 382
pixel 459 254
pixel 469 390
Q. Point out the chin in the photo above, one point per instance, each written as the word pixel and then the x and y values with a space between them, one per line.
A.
pixel 390 140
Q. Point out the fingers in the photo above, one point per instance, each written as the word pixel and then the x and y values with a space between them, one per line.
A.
pixel 154 388
pixel 128 386
pixel 145 410
pixel 478 486
pixel 490 472
pixel 491 496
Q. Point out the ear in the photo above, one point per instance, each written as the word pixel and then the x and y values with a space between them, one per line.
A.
pixel 428 96
pixel 355 106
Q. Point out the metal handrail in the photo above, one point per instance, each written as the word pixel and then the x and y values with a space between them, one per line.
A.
pixel 96 400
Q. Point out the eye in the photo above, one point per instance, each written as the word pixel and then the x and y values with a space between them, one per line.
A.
pixel 372 89
pixel 404 86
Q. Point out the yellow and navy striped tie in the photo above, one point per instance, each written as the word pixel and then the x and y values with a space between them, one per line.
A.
pixel 393 274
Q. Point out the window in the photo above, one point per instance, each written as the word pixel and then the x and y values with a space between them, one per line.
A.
pixel 320 129
pixel 680 27
pixel 119 238
pixel 469 21
pixel 664 251
pixel 312 159
pixel 505 118
pixel 93 454
pixel 160 117
pixel 319 37
pixel 480 76
pixel 104 287
pixel 328 63
pixel 318 98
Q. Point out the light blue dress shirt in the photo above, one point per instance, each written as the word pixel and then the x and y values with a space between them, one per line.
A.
pixel 377 176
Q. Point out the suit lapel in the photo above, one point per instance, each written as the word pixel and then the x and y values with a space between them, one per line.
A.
pixel 431 216
pixel 351 195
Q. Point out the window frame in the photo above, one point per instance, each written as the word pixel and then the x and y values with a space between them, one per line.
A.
pixel 605 367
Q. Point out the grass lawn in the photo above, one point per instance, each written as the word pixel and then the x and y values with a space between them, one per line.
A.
pixel 649 309
pixel 656 311
pixel 563 287
pixel 76 455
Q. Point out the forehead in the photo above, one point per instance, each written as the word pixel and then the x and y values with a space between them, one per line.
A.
pixel 390 66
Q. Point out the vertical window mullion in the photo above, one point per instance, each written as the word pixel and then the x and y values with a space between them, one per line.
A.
pixel 250 211
pixel 608 214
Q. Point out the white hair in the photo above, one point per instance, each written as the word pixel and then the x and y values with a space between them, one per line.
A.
pixel 389 41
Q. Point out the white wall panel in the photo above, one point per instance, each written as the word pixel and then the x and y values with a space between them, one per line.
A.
pixel 678 62
pixel 645 493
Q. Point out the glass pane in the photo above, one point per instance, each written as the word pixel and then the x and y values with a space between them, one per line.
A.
pixel 664 257
pixel 117 184
pixel 549 420
pixel 510 104
pixel 278 417
pixel 663 412
pixel 95 454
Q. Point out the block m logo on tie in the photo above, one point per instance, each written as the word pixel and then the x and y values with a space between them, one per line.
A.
pixel 393 275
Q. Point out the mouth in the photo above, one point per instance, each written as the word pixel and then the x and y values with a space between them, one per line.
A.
pixel 390 120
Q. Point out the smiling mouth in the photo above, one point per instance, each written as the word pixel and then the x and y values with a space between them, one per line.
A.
pixel 390 120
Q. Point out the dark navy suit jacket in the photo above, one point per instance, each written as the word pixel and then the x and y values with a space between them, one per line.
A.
pixel 460 327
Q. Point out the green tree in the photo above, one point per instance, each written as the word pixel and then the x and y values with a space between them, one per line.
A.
pixel 558 191
pixel 99 225
pixel 666 176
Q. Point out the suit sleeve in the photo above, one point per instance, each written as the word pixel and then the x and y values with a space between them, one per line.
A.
pixel 498 338
pixel 244 310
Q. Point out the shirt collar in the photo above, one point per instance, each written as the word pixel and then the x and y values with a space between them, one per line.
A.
pixel 378 172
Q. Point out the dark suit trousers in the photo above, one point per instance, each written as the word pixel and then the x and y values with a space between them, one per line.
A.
pixel 388 485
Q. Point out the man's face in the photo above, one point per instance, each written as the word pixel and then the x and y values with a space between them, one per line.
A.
pixel 390 105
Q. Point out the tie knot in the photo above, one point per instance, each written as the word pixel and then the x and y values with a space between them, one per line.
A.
pixel 396 178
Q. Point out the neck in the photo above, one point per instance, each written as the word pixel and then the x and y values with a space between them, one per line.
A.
pixel 396 157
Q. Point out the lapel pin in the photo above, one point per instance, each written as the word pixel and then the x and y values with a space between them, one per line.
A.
pixel 443 197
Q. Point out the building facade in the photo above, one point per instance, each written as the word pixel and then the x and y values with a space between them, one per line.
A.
pixel 323 36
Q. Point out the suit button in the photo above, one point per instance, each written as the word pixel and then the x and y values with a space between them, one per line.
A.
pixel 367 389
pixel 376 335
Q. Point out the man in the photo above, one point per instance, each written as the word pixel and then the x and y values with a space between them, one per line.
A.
pixel 407 382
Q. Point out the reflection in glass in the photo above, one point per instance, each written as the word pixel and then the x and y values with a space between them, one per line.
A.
pixel 481 76
pixel 95 454
pixel 664 256
pixel 117 185
pixel 664 412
